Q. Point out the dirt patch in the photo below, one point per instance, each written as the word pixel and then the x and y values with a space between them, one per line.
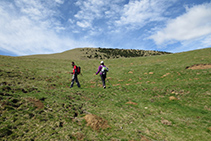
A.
pixel 116 84
pixel 37 103
pixel 166 122
pixel 165 75
pixel 209 128
pixel 199 66
pixel 130 72
pixel 143 138
pixel 132 103
pixel 96 122
pixel 79 136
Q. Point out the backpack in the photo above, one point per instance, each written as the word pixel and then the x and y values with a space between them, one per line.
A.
pixel 78 69
pixel 104 69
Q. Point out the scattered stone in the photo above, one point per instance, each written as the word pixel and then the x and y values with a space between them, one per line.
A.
pixel 172 98
pixel 130 72
pixel 166 122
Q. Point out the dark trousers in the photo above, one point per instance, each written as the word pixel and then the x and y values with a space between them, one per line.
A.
pixel 103 77
pixel 75 78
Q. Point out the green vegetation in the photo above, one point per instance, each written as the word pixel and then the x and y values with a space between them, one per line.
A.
pixel 109 53
pixel 147 98
pixel 117 53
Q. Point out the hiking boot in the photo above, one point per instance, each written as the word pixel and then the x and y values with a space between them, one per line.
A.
pixel 104 87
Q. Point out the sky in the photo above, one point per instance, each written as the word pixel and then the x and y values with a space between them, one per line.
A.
pixel 30 27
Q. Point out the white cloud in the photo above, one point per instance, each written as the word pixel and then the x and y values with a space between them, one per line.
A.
pixel 45 13
pixel 92 10
pixel 23 35
pixel 196 43
pixel 138 13
pixel 83 24
pixel 59 1
pixel 32 9
pixel 195 23
pixel 207 41
pixel 48 26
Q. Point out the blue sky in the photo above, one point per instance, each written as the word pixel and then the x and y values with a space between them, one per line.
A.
pixel 51 26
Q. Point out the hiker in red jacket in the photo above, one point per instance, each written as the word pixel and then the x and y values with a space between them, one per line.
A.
pixel 75 76
pixel 103 70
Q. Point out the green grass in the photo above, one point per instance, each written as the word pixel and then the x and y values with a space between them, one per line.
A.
pixel 37 103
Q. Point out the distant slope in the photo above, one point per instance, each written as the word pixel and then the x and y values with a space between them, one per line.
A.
pixel 97 53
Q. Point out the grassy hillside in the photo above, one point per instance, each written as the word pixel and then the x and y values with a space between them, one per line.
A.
pixel 147 98
pixel 98 53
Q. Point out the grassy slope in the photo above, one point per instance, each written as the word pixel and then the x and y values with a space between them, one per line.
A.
pixel 146 81
pixel 76 54
pixel 96 53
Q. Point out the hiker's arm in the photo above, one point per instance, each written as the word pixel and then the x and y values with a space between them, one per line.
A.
pixel 99 69
pixel 72 71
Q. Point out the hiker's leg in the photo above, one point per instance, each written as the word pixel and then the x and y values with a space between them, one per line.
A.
pixel 104 77
pixel 103 80
pixel 76 79
pixel 72 82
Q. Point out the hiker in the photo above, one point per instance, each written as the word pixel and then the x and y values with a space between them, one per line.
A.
pixel 75 76
pixel 103 70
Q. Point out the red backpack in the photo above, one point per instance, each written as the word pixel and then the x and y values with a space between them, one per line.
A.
pixel 78 69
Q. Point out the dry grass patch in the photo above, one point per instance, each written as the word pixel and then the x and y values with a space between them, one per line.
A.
pixel 166 122
pixel 143 138
pixel 165 75
pixel 199 66
pixel 116 84
pixel 37 103
pixel 132 103
pixel 96 122
pixel 209 128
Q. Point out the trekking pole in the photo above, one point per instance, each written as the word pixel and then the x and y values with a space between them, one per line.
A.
pixel 109 83
pixel 96 82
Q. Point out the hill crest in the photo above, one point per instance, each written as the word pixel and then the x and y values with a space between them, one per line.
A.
pixel 99 53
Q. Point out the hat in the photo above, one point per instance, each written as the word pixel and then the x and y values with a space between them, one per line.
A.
pixel 101 62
